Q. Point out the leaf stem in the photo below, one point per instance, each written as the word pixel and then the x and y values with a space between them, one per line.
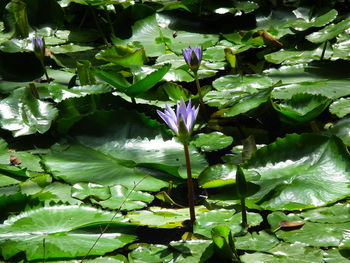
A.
pixel 190 185
pixel 244 213
pixel 324 50
pixel 98 25
pixel 200 95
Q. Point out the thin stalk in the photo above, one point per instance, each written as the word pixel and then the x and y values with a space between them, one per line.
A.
pixel 190 185
pixel 109 20
pixel 244 213
pixel 198 88
pixel 45 71
pixel 98 25
pixel 110 222
pixel 324 50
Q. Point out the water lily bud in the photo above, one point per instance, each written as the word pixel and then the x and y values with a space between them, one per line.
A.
pixel 39 47
pixel 193 57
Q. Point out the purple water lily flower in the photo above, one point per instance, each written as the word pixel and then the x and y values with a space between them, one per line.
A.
pixel 183 120
pixel 39 46
pixel 193 57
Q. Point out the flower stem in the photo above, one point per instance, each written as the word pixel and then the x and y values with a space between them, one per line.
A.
pixel 189 185
pixel 244 213
pixel 45 71
pixel 200 95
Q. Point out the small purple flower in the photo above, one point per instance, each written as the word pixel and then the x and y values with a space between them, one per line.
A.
pixel 193 57
pixel 39 47
pixel 183 120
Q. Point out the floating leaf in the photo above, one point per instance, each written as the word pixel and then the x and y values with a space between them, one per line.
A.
pixel 207 220
pixel 340 107
pixel 212 141
pixel 126 199
pixel 300 178
pixel 301 107
pixel 329 32
pixel 84 190
pixel 57 227
pixel 162 217
pixel 222 174
pixel 256 241
pixel 98 168
pixel 286 252
pixel 22 114
pixel 60 93
pixel 123 56
pixel 312 234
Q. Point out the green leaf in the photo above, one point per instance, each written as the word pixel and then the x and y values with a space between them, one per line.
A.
pixel 337 213
pixel 162 217
pixel 223 242
pixel 123 56
pixel 329 32
pixel 148 82
pixel 301 107
pixel 303 23
pixel 312 234
pixel 180 251
pixel 128 135
pixel 125 199
pixel 96 191
pixel 221 175
pixel 115 79
pixel 96 2
pixel 298 56
pixel 342 130
pixel 286 253
pixel 230 89
pixel 256 241
pixel 153 34
pixel 340 107
pixel 212 141
pixel 22 114
pixel 247 103
pixel 60 93
pixel 57 193
pixel 300 178
pixel 98 168
pixel 207 220
pixel 85 74
pixel 58 226
pixel 332 89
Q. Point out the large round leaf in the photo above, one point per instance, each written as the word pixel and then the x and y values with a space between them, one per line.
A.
pixel 311 233
pixel 22 114
pixel 301 171
pixel 57 228
pixel 84 164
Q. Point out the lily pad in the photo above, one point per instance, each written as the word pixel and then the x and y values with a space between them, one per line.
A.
pixel 261 241
pixel 57 227
pixel 22 114
pixel 207 220
pixel 212 141
pixel 342 130
pixel 153 34
pixel 300 178
pixel 312 234
pixel 123 198
pixel 329 32
pixel 162 217
pixel 286 253
pixel 301 107
pixel 98 168
pixel 223 174
pixel 340 107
